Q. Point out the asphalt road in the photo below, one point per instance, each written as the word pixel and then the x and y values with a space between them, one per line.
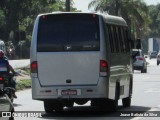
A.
pixel 146 97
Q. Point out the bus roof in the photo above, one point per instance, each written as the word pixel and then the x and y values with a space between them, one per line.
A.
pixel 114 20
pixel 110 19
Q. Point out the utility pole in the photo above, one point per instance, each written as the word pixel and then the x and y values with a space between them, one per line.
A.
pixel 67 5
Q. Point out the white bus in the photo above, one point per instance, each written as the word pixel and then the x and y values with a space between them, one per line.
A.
pixel 81 57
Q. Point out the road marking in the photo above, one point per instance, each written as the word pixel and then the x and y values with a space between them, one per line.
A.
pixel 155 90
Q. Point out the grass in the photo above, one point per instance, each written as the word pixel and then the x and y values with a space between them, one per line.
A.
pixel 23 84
pixel 26 69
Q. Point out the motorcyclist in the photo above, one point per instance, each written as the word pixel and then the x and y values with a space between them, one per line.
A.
pixel 5 68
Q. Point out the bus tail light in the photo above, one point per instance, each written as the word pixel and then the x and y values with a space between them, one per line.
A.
pixel 34 69
pixel 1 78
pixel 103 68
pixel 140 58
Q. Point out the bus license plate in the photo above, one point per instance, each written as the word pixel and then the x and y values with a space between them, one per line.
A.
pixel 69 92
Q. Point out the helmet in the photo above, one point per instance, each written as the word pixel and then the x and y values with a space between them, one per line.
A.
pixel 1 54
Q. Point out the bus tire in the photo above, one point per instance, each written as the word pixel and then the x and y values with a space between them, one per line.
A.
pixel 54 105
pixel 101 104
pixel 126 102
pixel 58 106
pixel 48 107
pixel 69 103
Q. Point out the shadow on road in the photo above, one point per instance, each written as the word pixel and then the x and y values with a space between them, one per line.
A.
pixel 89 112
pixel 16 105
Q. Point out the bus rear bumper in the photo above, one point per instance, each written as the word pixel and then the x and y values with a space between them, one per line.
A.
pixel 69 92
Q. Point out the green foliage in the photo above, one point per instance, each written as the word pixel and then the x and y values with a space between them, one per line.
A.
pixel 20 15
pixel 154 12
pixel 23 84
pixel 2 22
pixel 2 18
pixel 135 12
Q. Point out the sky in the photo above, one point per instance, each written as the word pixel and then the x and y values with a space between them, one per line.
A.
pixel 83 4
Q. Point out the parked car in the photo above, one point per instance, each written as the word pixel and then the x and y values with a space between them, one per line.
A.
pixel 153 54
pixel 158 59
pixel 139 61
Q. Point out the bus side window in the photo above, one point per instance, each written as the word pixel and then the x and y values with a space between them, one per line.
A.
pixel 119 43
pixel 121 40
pixel 126 40
pixel 110 39
pixel 115 38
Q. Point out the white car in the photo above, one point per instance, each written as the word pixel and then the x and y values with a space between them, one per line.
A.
pixel 139 61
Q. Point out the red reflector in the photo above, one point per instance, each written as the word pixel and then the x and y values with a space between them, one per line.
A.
pixel 103 63
pixel 34 67
pixel 48 91
pixel 140 59
pixel 1 78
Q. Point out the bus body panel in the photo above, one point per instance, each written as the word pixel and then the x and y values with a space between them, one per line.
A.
pixel 120 73
pixel 71 68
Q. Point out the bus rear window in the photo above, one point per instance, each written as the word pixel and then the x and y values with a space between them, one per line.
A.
pixel 68 32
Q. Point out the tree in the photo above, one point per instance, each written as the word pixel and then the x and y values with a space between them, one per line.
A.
pixel 2 23
pixel 16 15
pixel 133 11
pixel 20 15
pixel 38 7
pixel 154 12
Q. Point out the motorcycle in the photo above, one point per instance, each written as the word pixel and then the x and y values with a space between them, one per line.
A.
pixel 5 86
pixel 11 54
pixel 6 106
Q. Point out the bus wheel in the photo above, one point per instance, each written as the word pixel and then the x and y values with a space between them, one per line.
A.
pixel 101 104
pixel 58 108
pixel 126 102
pixel 48 107
pixel 69 103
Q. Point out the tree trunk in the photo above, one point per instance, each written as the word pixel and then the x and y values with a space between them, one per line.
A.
pixel 117 8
